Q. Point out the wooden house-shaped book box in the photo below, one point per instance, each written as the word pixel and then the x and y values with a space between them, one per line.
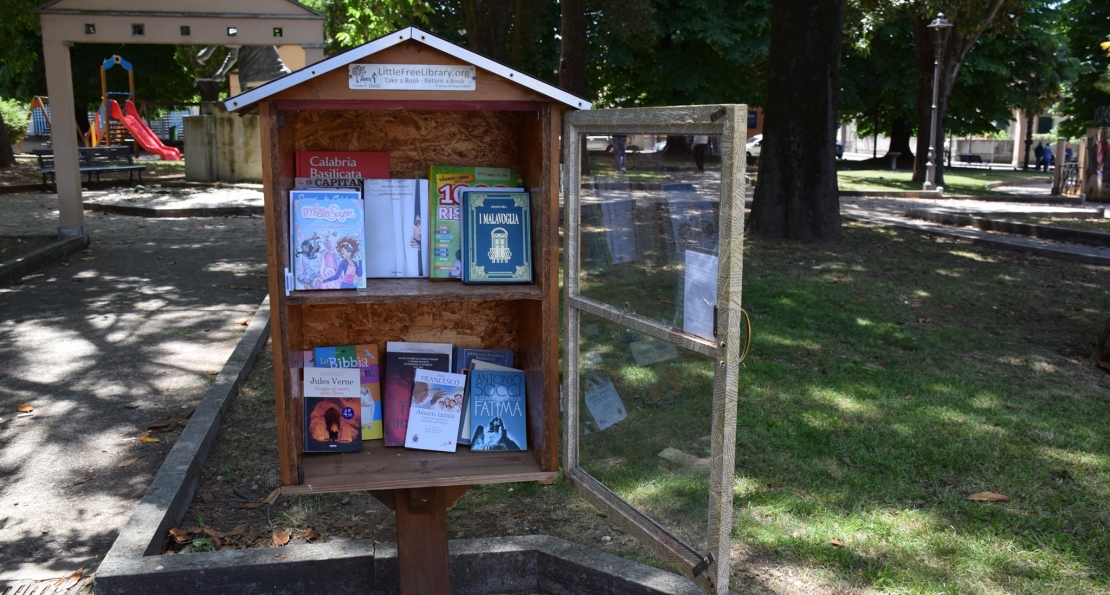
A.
pixel 488 116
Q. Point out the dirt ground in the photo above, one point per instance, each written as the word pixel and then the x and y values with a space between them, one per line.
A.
pixel 15 246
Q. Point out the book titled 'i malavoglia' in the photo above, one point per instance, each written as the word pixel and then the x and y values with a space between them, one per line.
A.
pixel 497 237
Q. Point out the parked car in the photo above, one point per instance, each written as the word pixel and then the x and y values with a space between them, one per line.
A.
pixel 754 143
pixel 753 147
pixel 605 143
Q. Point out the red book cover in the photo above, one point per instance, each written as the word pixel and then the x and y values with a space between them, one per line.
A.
pixel 342 164
pixel 402 359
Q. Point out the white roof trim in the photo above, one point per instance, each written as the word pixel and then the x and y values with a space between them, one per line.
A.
pixel 244 100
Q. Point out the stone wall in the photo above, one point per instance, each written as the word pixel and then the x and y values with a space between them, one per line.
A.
pixel 222 147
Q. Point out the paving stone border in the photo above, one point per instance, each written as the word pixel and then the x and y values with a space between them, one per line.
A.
pixel 171 212
pixel 19 267
pixel 1044 232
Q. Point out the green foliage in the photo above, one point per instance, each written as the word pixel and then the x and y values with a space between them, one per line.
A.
pixel 14 114
pixel 354 22
pixel 1086 24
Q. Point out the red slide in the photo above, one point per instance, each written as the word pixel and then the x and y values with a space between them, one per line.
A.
pixel 142 133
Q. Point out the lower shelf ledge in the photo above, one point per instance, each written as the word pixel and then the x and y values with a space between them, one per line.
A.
pixel 379 468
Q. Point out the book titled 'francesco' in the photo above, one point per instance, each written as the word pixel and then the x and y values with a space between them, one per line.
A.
pixel 497 237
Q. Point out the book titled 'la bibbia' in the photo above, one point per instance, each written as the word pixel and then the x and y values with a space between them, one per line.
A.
pixel 497 237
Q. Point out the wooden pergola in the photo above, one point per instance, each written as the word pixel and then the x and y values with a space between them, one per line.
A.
pixel 197 22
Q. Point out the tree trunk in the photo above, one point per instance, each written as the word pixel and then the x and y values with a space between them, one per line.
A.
pixel 924 61
pixel 796 196
pixel 572 58
pixel 7 158
pixel 900 133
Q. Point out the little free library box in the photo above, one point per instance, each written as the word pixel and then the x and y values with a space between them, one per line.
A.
pixel 479 113
pixel 399 107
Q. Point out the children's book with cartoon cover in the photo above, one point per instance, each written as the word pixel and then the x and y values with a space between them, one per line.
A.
pixel 327 242
pixel 447 184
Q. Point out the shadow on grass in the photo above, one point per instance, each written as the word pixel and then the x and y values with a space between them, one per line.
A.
pixel 892 376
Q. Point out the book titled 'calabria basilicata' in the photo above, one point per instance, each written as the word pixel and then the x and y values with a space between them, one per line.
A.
pixel 497 237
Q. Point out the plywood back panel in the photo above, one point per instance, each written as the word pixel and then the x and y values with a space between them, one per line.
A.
pixel 489 324
pixel 415 139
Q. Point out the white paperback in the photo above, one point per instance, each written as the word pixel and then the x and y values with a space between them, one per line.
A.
pixel 436 411
pixel 397 242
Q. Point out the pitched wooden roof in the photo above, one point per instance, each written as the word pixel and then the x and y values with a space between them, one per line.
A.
pixel 246 100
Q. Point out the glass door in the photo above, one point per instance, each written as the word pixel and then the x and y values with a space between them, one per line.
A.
pixel 653 246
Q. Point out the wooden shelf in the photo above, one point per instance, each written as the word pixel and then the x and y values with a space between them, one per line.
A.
pixel 381 468
pixel 416 290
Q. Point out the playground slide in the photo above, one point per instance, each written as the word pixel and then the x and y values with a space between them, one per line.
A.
pixel 142 133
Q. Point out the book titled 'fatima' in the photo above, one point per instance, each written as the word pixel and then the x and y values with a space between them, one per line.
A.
pixel 497 237
pixel 497 404
pixel 327 239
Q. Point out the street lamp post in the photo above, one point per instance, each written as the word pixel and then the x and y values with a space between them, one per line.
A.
pixel 939 27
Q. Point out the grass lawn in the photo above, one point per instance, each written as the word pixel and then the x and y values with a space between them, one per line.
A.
pixel 887 385
pixel 957 182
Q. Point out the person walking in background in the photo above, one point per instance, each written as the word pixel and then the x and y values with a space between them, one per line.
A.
pixel 620 144
pixel 1038 152
pixel 1047 157
pixel 701 143
pixel 1068 155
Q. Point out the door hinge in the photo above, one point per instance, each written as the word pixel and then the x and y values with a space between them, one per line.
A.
pixel 702 566
pixel 300 474
pixel 281 120
pixel 714 321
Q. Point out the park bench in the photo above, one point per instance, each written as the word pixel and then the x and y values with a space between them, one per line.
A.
pixel 93 161
pixel 972 159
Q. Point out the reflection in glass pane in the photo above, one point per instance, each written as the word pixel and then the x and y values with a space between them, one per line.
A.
pixel 642 210
pixel 645 410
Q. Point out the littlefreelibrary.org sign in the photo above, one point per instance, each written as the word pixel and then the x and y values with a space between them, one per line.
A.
pixel 411 77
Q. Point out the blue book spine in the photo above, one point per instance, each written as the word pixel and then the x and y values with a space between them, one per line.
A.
pixel 497 237
pixel 463 356
pixel 327 239
pixel 497 410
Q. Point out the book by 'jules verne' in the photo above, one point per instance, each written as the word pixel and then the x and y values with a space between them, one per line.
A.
pixel 447 184
pixel 497 408
pixel 436 411
pixel 327 239
pixel 396 228
pixel 402 359
pixel 365 358
pixel 342 164
pixel 497 237
pixel 332 410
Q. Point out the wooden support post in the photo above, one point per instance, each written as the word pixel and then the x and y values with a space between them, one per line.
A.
pixel 422 541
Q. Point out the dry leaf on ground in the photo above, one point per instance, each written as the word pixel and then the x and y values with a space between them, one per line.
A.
pixel 344 524
pixel 128 462
pixel 281 538
pixel 148 439
pixel 310 534
pixel 988 497
pixel 273 496
pixel 157 426
pixel 836 542
pixel 207 497
pixel 180 535
pixel 25 408
pixel 84 479
pixel 67 582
